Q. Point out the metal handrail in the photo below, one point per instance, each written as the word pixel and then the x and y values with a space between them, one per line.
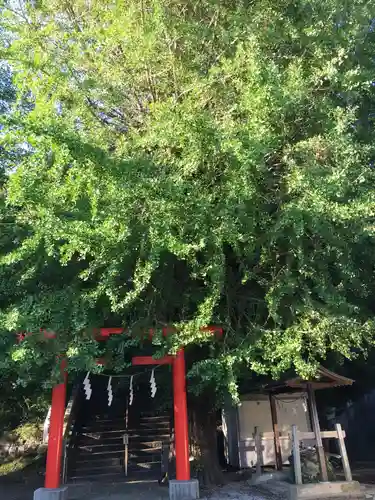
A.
pixel 70 418
pixel 46 425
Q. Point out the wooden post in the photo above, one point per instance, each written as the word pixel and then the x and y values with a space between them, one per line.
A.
pixel 126 452
pixel 344 455
pixel 276 435
pixel 296 455
pixel 258 449
pixel 318 436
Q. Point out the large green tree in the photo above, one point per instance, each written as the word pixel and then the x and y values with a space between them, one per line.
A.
pixel 192 163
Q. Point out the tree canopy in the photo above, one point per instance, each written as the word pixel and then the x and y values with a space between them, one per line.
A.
pixel 188 163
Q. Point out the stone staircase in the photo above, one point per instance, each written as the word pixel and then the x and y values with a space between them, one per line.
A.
pixel 146 436
pixel 97 452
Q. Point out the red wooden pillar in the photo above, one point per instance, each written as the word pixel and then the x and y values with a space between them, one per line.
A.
pixel 181 430
pixel 55 438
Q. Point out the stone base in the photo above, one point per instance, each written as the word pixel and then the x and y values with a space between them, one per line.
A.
pixel 340 489
pixel 183 490
pixel 51 494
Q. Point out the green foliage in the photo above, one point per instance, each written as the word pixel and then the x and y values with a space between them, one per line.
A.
pixel 15 465
pixel 22 404
pixel 192 163
pixel 30 434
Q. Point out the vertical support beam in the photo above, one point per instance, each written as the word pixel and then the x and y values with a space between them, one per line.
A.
pixel 55 439
pixel 258 450
pixel 344 455
pixel 181 418
pixel 316 429
pixel 276 434
pixel 296 456
pixel 125 439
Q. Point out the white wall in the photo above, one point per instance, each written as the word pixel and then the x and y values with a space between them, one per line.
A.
pixel 255 412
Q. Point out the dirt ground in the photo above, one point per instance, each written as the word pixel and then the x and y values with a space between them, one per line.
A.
pixel 21 485
pixel 138 491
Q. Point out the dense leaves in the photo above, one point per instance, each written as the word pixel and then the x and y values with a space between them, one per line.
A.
pixel 192 163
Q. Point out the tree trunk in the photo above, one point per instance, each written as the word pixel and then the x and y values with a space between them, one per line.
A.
pixel 203 441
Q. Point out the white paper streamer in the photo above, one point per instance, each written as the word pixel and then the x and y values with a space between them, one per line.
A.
pixel 110 393
pixel 304 405
pixel 131 395
pixel 87 386
pixel 153 384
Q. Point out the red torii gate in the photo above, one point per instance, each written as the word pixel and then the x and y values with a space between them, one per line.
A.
pixel 55 440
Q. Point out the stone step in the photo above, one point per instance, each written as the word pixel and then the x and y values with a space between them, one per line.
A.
pixel 88 448
pixel 132 416
pixel 133 469
pixel 87 439
pixel 99 424
pixel 97 476
pixel 113 477
pixel 134 443
pixel 106 416
pixel 152 436
pixel 106 455
pixel 152 425
pixel 153 418
pixel 105 463
pixel 112 446
pixel 101 462
pixel 148 421
pixel 100 453
pixel 123 429
pixel 148 418
pixel 95 433
pixel 144 445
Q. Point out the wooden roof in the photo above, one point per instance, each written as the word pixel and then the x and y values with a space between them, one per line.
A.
pixel 324 379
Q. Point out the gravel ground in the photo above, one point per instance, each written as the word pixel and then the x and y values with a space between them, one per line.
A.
pixel 144 491
pixel 242 491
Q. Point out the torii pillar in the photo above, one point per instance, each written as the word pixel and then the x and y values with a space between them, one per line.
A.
pixel 183 487
pixel 53 489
